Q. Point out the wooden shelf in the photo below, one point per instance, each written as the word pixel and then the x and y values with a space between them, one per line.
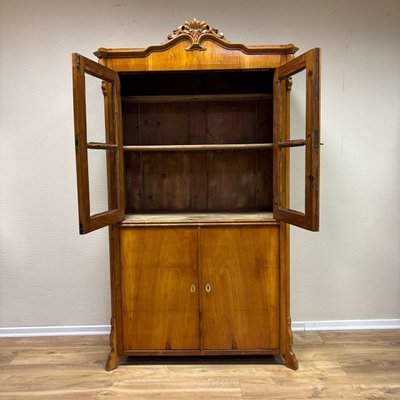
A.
pixel 198 219
pixel 197 98
pixel 200 147
pixel 102 146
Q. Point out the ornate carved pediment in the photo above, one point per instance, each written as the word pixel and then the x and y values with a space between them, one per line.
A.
pixel 195 30
pixel 196 33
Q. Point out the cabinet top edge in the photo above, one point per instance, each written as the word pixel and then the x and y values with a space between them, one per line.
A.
pixel 103 52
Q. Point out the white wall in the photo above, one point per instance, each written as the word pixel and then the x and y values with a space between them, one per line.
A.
pixel 49 275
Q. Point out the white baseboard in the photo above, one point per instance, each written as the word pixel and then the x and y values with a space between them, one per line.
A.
pixel 342 325
pixel 30 331
pixel 297 326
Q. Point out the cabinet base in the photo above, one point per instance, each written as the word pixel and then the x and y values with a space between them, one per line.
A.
pixel 114 359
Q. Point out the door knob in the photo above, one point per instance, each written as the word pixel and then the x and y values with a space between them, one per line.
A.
pixel 208 288
pixel 193 288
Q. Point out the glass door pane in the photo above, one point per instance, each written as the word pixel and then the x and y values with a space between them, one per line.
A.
pixel 297 141
pixel 98 140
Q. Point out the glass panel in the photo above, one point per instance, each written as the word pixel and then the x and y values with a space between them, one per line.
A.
pixel 296 193
pixel 296 155
pixel 298 106
pixel 98 194
pixel 95 118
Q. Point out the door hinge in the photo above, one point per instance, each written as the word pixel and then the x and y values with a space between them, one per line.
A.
pixel 78 61
pixel 77 143
pixel 81 231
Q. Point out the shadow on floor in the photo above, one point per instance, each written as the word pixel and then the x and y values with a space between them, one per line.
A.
pixel 203 360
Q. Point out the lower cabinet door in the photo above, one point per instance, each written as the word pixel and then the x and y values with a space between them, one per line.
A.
pixel 240 287
pixel 159 288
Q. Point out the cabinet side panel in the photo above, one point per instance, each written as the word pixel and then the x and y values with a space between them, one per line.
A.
pixel 159 277
pixel 240 287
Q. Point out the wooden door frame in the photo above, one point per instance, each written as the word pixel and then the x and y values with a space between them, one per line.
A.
pixel 286 334
pixel 113 144
pixel 309 219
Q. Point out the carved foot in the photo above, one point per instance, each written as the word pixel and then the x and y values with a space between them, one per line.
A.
pixel 290 360
pixel 113 358
pixel 289 357
pixel 112 361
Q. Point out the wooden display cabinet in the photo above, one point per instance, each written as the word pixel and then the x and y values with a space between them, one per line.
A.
pixel 197 146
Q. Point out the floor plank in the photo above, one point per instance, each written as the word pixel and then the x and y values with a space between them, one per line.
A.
pixel 333 365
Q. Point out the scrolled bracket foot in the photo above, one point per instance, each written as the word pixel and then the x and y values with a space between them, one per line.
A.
pixel 113 358
pixel 290 361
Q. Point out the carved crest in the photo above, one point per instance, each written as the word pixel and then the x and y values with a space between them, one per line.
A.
pixel 196 30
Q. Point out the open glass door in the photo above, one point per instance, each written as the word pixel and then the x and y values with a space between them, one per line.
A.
pixel 303 213
pixel 98 144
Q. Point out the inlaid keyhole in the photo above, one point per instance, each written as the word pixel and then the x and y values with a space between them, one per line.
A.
pixel 208 288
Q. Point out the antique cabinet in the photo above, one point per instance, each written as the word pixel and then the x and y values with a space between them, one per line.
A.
pixel 197 149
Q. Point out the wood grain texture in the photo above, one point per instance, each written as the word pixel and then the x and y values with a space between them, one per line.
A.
pixel 159 287
pixel 233 122
pixel 165 178
pixel 231 181
pixel 165 123
pixel 175 57
pixel 333 365
pixel 198 218
pixel 166 182
pixel 239 279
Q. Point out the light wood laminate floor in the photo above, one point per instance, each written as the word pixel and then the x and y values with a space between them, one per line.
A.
pixel 333 365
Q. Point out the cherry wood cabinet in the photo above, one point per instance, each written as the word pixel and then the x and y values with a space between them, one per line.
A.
pixel 196 146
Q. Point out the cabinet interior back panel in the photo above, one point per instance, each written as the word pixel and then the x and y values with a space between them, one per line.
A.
pixel 196 82
pixel 198 181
